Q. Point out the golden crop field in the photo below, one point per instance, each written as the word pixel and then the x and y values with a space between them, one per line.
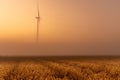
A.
pixel 56 68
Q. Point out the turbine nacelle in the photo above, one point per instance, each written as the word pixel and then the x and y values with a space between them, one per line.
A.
pixel 38 18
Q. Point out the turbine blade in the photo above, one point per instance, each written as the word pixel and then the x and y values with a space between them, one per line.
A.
pixel 38 8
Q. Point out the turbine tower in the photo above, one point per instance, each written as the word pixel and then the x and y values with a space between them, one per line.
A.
pixel 38 23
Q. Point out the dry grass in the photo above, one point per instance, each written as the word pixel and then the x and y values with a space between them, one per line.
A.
pixel 61 69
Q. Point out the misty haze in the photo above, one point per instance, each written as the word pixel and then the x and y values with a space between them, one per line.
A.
pixel 65 27
pixel 59 39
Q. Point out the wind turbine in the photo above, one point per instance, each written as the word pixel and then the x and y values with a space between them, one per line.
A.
pixel 38 23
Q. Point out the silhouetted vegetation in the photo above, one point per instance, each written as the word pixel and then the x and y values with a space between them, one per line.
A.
pixel 60 68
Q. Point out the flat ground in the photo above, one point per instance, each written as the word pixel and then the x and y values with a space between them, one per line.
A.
pixel 60 68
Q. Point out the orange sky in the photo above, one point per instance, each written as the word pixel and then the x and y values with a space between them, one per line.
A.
pixel 71 24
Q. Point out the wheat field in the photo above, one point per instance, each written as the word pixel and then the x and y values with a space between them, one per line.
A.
pixel 60 68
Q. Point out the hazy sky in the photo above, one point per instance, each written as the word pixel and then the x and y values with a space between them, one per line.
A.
pixel 70 27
